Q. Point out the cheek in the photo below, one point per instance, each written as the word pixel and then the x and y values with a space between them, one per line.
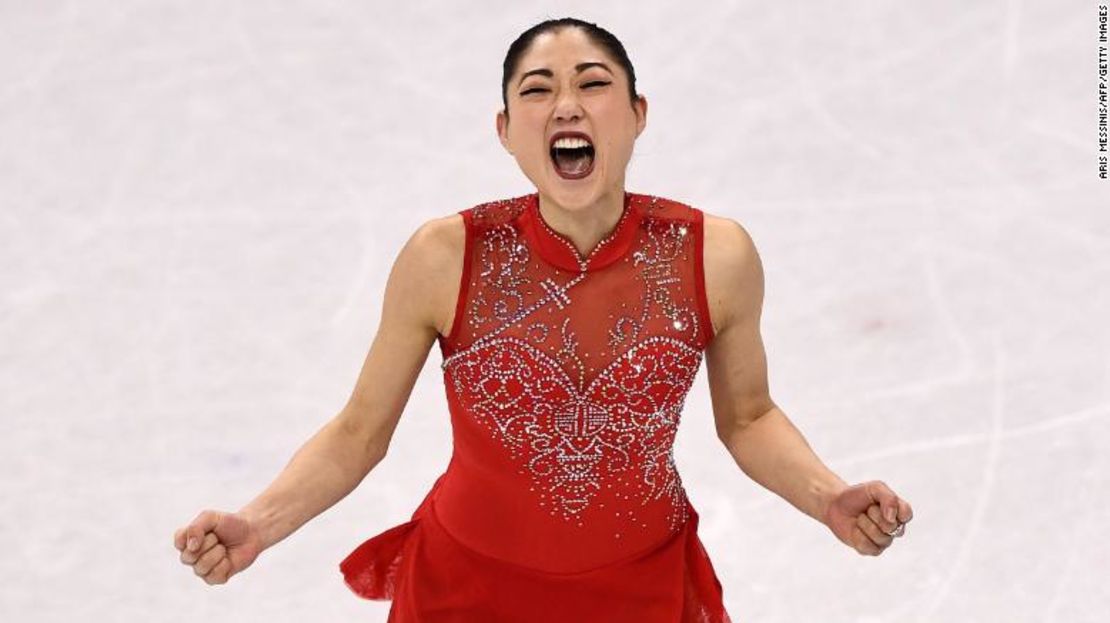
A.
pixel 621 133
pixel 618 149
pixel 529 136
pixel 526 148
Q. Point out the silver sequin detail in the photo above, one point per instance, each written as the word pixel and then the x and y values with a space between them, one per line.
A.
pixel 574 436
pixel 620 427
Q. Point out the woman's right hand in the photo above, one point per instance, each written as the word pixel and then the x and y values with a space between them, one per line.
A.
pixel 217 545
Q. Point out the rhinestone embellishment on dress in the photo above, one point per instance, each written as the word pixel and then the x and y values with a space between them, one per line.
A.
pixel 621 427
pixel 523 375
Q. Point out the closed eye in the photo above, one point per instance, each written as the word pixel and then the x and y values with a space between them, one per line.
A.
pixel 587 85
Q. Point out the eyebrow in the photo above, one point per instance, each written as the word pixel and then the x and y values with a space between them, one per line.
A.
pixel 579 68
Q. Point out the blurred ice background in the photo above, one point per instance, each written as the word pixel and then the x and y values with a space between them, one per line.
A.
pixel 200 201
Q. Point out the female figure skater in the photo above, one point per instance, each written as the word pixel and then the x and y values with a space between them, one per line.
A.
pixel 572 322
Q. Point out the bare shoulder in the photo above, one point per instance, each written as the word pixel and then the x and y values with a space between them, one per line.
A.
pixel 440 238
pixel 733 271
pixel 435 263
pixel 727 238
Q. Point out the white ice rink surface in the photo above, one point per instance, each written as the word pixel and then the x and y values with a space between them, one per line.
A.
pixel 200 202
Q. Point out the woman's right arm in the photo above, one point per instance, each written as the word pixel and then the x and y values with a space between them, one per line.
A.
pixel 418 304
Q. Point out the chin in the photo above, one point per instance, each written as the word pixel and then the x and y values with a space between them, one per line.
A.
pixel 572 198
pixel 574 193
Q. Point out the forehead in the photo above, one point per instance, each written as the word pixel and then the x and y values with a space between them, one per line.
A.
pixel 561 51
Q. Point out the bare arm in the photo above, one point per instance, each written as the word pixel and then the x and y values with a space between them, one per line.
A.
pixel 761 439
pixel 420 290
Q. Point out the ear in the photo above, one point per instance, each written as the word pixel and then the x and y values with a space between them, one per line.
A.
pixel 641 113
pixel 503 130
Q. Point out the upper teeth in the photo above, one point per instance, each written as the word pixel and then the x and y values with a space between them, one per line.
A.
pixel 570 143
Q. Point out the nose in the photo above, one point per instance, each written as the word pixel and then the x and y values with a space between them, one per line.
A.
pixel 567 105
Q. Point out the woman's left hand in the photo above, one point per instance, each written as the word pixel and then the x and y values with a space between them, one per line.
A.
pixel 867 517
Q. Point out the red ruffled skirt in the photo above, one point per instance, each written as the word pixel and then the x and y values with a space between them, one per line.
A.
pixel 431 577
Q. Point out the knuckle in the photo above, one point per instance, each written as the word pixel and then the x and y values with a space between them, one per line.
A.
pixel 218 574
pixel 214 559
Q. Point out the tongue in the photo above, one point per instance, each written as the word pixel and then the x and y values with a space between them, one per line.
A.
pixel 574 161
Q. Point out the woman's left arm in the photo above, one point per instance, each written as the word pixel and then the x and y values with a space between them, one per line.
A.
pixel 757 433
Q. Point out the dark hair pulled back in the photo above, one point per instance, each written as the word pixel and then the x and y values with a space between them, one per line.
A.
pixel 598 35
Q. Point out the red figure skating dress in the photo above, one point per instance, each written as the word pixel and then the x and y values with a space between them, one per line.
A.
pixel 565 379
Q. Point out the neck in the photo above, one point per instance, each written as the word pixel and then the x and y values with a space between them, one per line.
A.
pixel 585 226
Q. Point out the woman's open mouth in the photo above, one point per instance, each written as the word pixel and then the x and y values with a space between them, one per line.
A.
pixel 572 154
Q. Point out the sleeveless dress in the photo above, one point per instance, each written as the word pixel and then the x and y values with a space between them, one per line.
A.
pixel 565 379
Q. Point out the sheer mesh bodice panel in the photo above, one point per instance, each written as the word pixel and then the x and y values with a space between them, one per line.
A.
pixel 566 377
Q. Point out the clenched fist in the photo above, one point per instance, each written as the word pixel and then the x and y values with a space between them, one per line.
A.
pixel 868 516
pixel 218 545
